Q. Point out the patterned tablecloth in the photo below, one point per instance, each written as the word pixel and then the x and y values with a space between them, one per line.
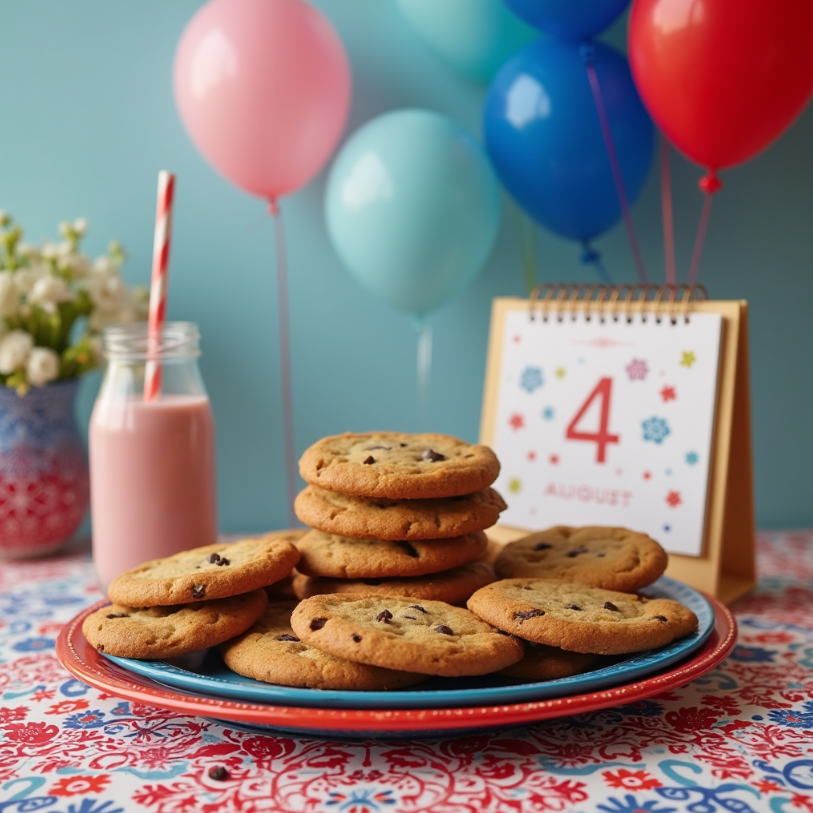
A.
pixel 740 739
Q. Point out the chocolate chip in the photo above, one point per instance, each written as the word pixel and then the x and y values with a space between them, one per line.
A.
pixel 575 552
pixel 662 619
pixel 542 546
pixel 100 647
pixel 369 459
pixel 373 582
pixel 385 616
pixel 223 561
pixel 402 445
pixel 608 605
pixel 317 623
pixel 601 555
pixel 373 448
pixel 410 550
pixel 219 773
pixel 417 607
pixel 573 607
pixel 118 615
pixel 442 628
pixel 431 454
pixel 286 637
pixel 198 591
pixel 214 558
pixel 524 615
pixel 410 617
pixel 356 637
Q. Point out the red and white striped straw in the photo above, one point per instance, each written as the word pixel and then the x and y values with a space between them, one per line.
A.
pixel 160 280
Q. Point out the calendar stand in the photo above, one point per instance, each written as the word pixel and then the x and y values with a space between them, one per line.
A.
pixel 725 566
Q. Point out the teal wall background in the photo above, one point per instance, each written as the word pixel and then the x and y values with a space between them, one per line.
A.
pixel 88 119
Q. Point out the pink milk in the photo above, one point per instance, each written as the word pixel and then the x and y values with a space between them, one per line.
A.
pixel 152 469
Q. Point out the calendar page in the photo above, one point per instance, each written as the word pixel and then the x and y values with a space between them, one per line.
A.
pixel 608 423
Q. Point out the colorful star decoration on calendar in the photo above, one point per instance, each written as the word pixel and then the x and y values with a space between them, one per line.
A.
pixel 668 394
pixel 637 370
pixel 688 358
pixel 673 499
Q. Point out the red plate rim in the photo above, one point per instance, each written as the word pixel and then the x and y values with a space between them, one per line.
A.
pixel 82 661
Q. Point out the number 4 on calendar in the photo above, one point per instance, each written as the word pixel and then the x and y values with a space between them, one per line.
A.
pixel 603 391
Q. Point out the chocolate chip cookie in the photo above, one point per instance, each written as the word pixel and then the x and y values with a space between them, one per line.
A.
pixel 398 466
pixel 382 518
pixel 613 558
pixel 453 586
pixel 270 652
pixel 429 637
pixel 551 663
pixel 580 618
pixel 212 571
pixel 167 632
pixel 341 557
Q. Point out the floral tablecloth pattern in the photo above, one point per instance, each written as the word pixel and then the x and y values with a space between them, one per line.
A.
pixel 740 739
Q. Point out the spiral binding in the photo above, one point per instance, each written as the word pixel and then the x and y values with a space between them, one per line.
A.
pixel 558 300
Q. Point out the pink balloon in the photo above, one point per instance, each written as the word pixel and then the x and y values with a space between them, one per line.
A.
pixel 263 89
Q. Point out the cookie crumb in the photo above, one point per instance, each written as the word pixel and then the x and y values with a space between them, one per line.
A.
pixel 385 616
pixel 317 623
pixel 219 773
pixel 198 590
pixel 442 628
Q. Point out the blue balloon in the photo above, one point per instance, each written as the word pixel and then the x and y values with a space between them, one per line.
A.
pixel 543 135
pixel 413 208
pixel 568 19
pixel 474 37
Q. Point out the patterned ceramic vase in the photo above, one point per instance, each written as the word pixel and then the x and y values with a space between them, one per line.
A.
pixel 44 485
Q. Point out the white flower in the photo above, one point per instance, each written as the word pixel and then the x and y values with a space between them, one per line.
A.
pixel 80 225
pixel 107 292
pixel 42 367
pixel 77 264
pixel 15 348
pixel 53 251
pixel 105 265
pixel 27 250
pixel 9 295
pixel 48 291
pixel 25 278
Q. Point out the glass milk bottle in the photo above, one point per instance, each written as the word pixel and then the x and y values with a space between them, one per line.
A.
pixel 152 463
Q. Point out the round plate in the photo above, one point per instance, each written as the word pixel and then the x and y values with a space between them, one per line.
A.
pixel 205 673
pixel 89 666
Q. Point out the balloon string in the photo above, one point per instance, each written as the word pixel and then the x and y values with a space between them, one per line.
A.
pixel 699 240
pixel 526 231
pixel 424 370
pixel 666 208
pixel 285 361
pixel 591 257
pixel 616 168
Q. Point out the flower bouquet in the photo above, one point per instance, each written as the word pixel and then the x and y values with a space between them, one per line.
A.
pixel 54 302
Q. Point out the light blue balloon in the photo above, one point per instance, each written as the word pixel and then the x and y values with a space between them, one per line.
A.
pixel 473 37
pixel 413 208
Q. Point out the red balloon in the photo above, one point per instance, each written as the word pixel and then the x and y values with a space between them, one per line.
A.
pixel 722 78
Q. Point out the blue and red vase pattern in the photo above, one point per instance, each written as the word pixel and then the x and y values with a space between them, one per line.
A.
pixel 44 485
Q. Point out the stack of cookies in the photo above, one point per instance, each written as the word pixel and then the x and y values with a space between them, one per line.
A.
pixel 190 601
pixel 396 514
